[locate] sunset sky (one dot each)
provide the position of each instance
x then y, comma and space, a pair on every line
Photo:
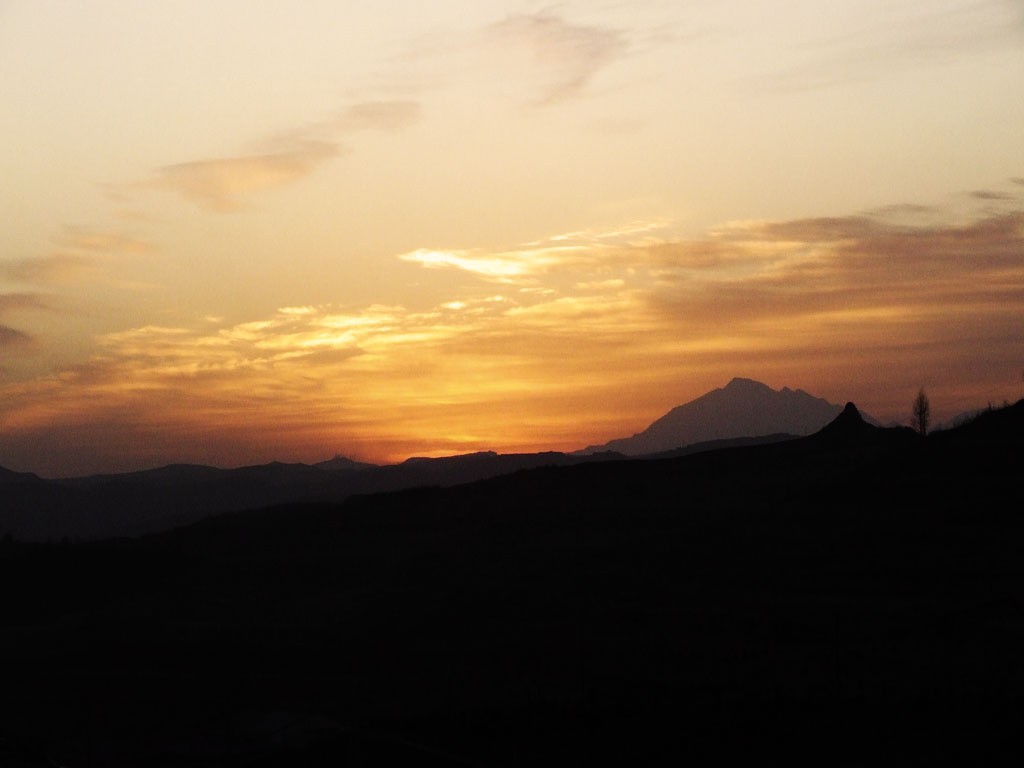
235, 232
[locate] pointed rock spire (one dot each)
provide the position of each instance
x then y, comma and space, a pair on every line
848, 425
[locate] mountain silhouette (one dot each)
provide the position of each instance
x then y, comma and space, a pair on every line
10, 476
148, 501
343, 464
743, 408
848, 426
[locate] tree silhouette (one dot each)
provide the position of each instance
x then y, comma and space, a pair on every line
922, 413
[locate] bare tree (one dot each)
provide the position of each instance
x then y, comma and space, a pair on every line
922, 413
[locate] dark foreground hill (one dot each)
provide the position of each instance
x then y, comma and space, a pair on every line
850, 598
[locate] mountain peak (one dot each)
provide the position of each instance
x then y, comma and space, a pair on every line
847, 425
742, 408
342, 464
8, 475
740, 383
850, 412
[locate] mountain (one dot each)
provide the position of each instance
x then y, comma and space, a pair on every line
343, 464
848, 426
137, 503
10, 476
742, 408
149, 501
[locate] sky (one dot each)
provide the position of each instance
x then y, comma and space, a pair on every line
236, 232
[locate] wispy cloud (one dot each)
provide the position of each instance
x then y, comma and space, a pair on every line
56, 267
585, 340
377, 116
12, 337
93, 241
561, 253
77, 254
224, 184
814, 284
505, 267
15, 301
988, 194
930, 34
565, 55
903, 210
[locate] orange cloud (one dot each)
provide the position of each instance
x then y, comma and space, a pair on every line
588, 341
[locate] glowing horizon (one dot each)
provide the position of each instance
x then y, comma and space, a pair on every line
494, 226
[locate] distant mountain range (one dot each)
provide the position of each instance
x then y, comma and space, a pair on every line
742, 413
138, 503
742, 409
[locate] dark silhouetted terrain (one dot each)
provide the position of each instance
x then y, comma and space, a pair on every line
855, 597
137, 503
741, 409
